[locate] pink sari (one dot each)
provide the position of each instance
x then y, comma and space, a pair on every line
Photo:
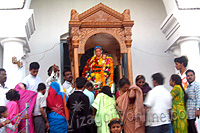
26, 96
13, 110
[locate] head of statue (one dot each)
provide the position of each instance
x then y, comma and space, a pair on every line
97, 51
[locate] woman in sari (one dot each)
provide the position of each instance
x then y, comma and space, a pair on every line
133, 113
105, 109
178, 105
26, 96
58, 115
124, 84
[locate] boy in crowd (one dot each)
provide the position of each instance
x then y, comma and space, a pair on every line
80, 119
88, 92
181, 64
32, 80
39, 116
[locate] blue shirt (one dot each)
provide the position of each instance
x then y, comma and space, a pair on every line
193, 101
90, 95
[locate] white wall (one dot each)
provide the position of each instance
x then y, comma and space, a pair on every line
1, 57
52, 17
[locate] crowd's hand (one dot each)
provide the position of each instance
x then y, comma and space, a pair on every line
197, 113
47, 126
25, 117
55, 68
7, 121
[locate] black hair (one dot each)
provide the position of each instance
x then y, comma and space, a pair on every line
80, 82
178, 81
24, 85
189, 70
158, 77
114, 121
41, 86
123, 81
66, 70
34, 65
12, 95
49, 70
89, 84
106, 90
182, 59
1, 69
139, 77
2, 110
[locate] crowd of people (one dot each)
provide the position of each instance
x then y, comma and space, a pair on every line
76, 107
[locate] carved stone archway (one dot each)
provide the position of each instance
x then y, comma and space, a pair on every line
99, 19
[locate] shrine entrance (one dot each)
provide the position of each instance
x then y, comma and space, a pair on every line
103, 26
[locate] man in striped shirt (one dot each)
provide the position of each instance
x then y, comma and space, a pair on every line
193, 102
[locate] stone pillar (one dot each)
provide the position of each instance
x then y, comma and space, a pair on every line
13, 47
189, 46
130, 73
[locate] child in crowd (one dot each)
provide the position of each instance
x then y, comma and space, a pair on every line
32, 80
140, 82
39, 116
13, 109
89, 92
5, 123
115, 125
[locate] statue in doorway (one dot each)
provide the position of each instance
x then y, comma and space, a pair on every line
99, 69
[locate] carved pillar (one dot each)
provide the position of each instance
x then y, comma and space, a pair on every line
128, 42
75, 43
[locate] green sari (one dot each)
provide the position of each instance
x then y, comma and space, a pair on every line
179, 112
105, 107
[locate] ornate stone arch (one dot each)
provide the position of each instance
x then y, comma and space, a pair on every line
96, 20
116, 33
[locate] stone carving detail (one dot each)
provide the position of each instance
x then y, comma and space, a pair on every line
101, 16
74, 15
126, 14
117, 33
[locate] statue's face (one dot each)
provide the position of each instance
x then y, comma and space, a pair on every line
98, 52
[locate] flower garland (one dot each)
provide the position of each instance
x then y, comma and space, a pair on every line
98, 72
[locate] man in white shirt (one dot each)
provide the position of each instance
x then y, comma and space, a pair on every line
67, 85
32, 80
3, 88
53, 73
158, 104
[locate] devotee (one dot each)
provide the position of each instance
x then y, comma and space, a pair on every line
115, 125
178, 105
26, 96
104, 105
58, 114
131, 104
89, 92
67, 85
193, 102
80, 119
5, 123
140, 82
97, 72
158, 105
39, 113
53, 73
181, 64
3, 88
32, 80
124, 85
